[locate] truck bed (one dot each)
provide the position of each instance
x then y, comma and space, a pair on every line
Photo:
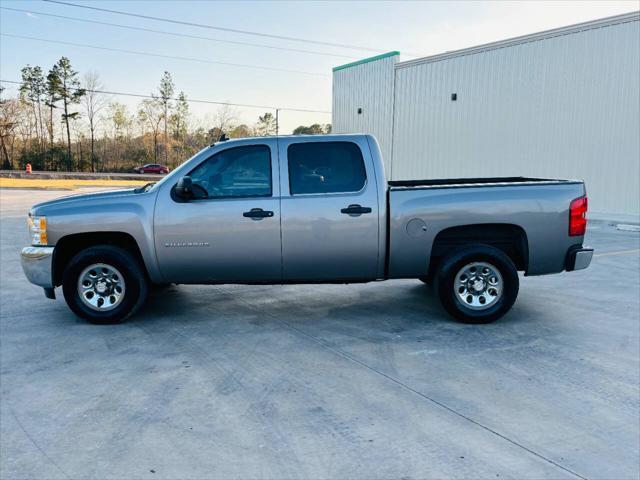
474, 182
420, 210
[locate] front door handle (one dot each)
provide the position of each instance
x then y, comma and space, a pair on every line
257, 213
355, 210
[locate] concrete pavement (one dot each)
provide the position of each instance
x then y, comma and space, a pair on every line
331, 381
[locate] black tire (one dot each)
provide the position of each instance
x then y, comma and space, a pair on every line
133, 273
454, 262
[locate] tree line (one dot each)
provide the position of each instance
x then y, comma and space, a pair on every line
64, 121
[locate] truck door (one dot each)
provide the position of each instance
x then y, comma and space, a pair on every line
330, 210
233, 233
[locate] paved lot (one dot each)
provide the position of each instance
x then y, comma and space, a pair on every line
365, 381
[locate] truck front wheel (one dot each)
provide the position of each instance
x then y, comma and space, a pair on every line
104, 284
477, 284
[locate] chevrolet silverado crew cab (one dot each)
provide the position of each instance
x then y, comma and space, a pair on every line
305, 209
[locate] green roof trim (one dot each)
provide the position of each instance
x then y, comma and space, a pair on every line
366, 60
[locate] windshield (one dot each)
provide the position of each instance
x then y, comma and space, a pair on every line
176, 173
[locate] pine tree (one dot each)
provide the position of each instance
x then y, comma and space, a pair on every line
179, 117
266, 124
165, 91
67, 86
52, 98
31, 90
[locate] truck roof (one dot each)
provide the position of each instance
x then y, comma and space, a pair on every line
233, 140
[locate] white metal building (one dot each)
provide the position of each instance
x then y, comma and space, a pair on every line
561, 103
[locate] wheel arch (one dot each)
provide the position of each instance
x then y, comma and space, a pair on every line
70, 245
509, 238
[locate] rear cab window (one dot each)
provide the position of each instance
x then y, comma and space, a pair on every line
325, 167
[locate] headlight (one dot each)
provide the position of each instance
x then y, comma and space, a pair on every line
38, 230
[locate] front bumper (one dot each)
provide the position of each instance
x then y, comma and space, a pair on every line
37, 263
579, 258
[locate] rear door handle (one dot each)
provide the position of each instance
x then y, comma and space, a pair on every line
258, 213
355, 210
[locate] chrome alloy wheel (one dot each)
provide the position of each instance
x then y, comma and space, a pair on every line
101, 287
478, 285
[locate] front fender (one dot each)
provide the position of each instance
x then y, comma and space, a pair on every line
130, 214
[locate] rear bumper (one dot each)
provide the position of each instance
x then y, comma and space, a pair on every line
37, 264
579, 258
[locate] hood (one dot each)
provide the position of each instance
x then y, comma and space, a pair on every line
41, 208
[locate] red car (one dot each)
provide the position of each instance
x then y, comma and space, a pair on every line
151, 168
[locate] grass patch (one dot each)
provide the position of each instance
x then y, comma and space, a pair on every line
65, 184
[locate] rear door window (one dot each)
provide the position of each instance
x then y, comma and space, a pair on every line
325, 167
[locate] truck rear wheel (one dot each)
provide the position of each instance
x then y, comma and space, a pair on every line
104, 284
477, 284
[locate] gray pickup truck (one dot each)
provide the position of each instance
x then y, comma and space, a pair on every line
305, 209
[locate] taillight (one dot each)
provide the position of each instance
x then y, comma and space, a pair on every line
578, 217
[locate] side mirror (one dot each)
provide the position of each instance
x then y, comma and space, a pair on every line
184, 188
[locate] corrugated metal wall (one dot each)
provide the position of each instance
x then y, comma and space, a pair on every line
566, 107
369, 86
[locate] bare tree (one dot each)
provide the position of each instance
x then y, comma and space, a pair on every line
226, 117
25, 127
93, 101
119, 117
151, 113
79, 138
223, 121
10, 112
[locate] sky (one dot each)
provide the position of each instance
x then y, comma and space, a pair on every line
413, 28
